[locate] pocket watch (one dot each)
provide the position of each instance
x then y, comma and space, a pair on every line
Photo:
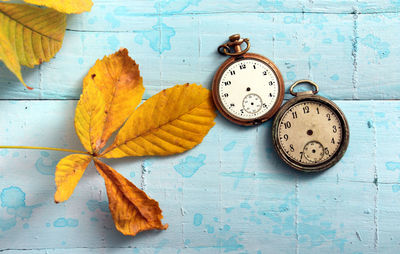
248, 88
310, 133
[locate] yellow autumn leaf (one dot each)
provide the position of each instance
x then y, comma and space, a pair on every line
89, 117
69, 171
35, 33
65, 6
118, 78
132, 210
10, 58
170, 122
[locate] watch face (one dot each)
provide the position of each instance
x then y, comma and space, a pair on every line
248, 88
310, 133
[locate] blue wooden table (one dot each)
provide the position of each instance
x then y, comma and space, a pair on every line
231, 194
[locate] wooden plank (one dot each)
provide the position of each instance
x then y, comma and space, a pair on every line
229, 194
188, 7
377, 54
386, 123
335, 50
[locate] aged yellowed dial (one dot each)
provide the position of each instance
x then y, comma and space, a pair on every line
310, 132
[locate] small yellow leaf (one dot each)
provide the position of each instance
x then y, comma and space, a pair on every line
118, 78
68, 173
170, 122
35, 33
10, 58
89, 117
65, 6
132, 210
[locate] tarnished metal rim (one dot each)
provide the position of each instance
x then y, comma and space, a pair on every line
339, 153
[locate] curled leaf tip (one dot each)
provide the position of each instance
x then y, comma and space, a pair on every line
28, 87
122, 49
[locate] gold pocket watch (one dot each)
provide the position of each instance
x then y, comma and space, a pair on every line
248, 88
310, 133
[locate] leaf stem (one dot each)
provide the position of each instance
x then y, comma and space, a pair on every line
43, 148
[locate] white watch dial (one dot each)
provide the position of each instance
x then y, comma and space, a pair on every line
248, 89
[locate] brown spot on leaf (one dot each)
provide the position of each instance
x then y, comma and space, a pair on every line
93, 76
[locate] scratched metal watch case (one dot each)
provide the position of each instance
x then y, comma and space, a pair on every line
310, 133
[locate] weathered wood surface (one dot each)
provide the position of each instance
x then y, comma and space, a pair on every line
349, 47
231, 193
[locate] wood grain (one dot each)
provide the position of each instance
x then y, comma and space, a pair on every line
334, 43
230, 193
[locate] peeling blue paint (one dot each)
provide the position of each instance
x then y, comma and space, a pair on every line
290, 75
93, 205
396, 188
245, 205
246, 156
115, 23
229, 209
159, 37
3, 152
375, 43
174, 6
392, 166
226, 228
334, 77
190, 165
92, 20
45, 165
210, 229
270, 5
13, 199
229, 245
113, 42
160, 245
339, 36
197, 219
230, 146
66, 222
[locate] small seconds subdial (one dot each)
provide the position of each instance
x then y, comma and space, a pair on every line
310, 133
252, 103
248, 88
313, 151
